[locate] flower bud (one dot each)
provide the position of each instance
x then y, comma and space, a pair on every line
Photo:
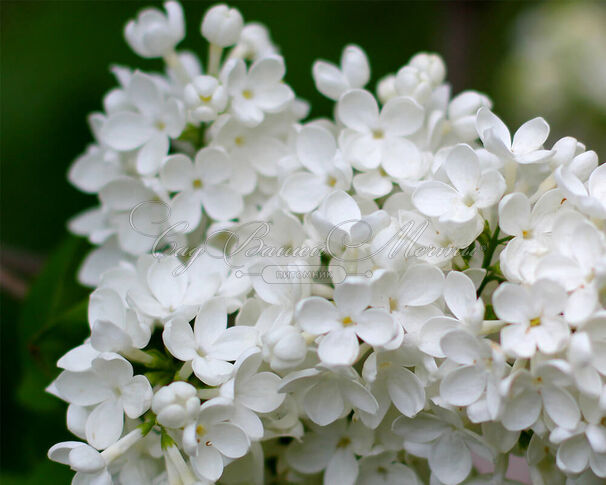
175, 404
155, 34
222, 25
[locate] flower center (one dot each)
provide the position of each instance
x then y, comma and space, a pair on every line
535, 322
468, 201
239, 141
377, 134
247, 94
343, 442
205, 99
197, 184
393, 304
347, 321
331, 181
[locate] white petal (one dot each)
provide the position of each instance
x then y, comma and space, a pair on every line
460, 294
352, 298
401, 116
406, 391
329, 80
260, 393
530, 136
267, 70
185, 211
212, 165
177, 174
342, 468
573, 455
230, 440
317, 315
450, 459
108, 337
424, 428
233, 342
323, 403
491, 187
208, 463
274, 98
86, 459
516, 341
136, 396
78, 359
487, 120
316, 147
126, 131
522, 411
514, 214
81, 388
150, 156
339, 347
375, 327
308, 456
402, 159
355, 66
178, 337
212, 371
166, 284
463, 386
303, 191
372, 184
461, 347
421, 285
561, 407
463, 169
104, 425
434, 198
357, 109
222, 202
512, 303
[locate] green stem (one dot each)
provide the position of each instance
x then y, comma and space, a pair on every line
493, 243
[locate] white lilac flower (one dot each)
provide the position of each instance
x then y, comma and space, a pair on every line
326, 396
354, 72
204, 183
375, 139
155, 34
176, 405
533, 317
342, 323
257, 91
152, 114
89, 465
111, 387
450, 445
375, 297
210, 345
332, 448
222, 25
212, 437
205, 98
527, 144
471, 190
317, 150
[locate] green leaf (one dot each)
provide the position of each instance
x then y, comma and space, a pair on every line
44, 471
53, 320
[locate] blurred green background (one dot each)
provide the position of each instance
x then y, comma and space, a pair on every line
55, 59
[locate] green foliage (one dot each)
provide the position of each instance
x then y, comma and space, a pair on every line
53, 320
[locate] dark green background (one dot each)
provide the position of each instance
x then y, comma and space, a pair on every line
55, 69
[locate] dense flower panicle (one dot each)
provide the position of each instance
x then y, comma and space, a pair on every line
371, 299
